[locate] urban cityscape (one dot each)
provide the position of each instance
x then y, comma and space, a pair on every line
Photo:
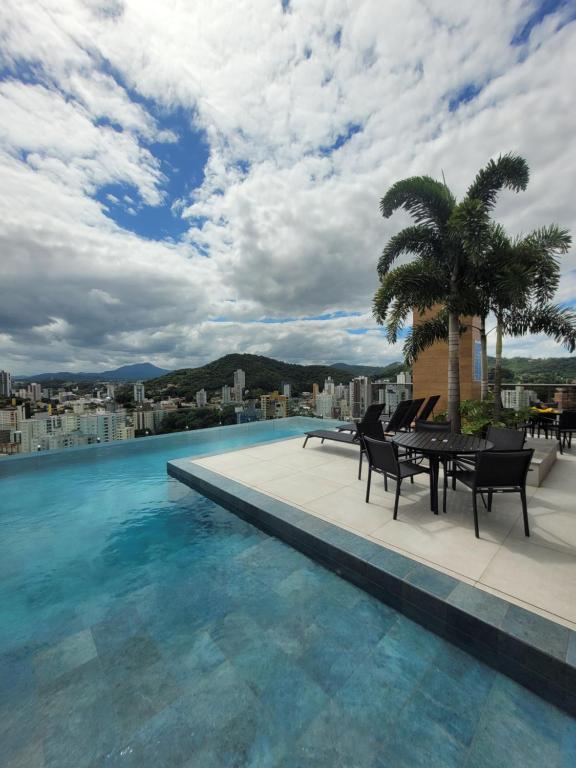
41, 418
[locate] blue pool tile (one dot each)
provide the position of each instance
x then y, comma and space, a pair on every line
290, 702
416, 740
69, 653
539, 632
517, 729
332, 740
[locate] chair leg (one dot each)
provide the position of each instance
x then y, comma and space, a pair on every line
453, 475
360, 465
368, 484
385, 481
560, 444
322, 443
475, 510
398, 484
490, 494
412, 479
525, 512
305, 441
445, 488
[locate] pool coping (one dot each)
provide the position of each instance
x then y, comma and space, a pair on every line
529, 648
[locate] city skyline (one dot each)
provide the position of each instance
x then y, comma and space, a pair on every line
223, 194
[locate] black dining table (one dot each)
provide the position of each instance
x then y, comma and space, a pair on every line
438, 446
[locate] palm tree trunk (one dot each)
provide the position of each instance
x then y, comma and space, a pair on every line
498, 371
484, 353
454, 371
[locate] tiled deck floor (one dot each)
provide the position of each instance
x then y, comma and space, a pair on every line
538, 573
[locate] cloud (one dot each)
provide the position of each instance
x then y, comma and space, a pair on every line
308, 114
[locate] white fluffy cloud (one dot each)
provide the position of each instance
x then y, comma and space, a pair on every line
308, 116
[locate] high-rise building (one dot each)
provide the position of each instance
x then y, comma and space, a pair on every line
360, 396
341, 392
201, 398
329, 386
5, 384
239, 385
404, 377
111, 391
226, 395
324, 405
35, 391
274, 406
518, 398
139, 392
315, 391
287, 390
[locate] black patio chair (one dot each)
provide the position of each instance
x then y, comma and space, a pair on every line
371, 428
566, 426
495, 472
428, 408
383, 459
432, 426
502, 438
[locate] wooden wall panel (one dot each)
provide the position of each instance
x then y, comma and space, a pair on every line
430, 371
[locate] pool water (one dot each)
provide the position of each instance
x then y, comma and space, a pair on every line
143, 625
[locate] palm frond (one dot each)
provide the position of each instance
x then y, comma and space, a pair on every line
428, 201
470, 224
419, 240
508, 171
557, 322
424, 335
420, 283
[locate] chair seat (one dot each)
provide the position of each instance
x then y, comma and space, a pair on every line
408, 468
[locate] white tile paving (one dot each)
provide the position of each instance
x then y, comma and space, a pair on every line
538, 573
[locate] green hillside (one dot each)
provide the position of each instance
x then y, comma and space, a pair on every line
547, 370
263, 374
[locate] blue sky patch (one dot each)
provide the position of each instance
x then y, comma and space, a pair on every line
543, 8
463, 96
343, 138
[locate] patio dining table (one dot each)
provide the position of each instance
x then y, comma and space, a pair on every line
437, 447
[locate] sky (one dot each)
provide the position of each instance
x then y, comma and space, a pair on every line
181, 180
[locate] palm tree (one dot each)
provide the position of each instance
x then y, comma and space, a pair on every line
444, 240
516, 280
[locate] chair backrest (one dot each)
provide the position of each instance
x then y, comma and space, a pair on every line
373, 429
382, 455
502, 469
505, 439
567, 420
373, 413
411, 412
429, 407
432, 426
395, 421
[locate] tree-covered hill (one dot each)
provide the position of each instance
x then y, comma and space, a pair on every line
263, 374
547, 370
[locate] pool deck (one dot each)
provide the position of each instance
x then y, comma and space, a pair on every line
516, 596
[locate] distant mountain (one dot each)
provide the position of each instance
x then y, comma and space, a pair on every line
135, 372
374, 371
262, 373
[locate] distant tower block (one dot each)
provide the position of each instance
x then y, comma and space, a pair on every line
430, 371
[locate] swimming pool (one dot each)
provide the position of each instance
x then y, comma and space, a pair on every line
143, 625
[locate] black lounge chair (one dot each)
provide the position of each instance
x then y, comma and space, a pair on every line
373, 414
396, 421
428, 408
496, 472
411, 414
363, 428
